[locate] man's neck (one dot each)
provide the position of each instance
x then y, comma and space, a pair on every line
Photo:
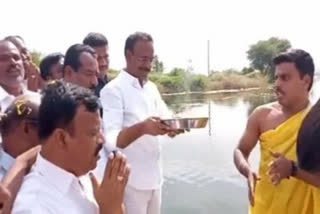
142, 81
9, 145
103, 76
50, 154
292, 110
15, 91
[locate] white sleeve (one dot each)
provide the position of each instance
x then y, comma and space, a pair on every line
112, 104
162, 107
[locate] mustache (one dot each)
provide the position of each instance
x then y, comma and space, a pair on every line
103, 68
93, 87
145, 69
99, 147
278, 90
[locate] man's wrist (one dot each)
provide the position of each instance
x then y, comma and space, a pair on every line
294, 169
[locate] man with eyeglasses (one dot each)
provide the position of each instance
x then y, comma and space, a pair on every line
132, 108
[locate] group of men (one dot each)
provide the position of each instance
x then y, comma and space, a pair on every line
54, 125
75, 142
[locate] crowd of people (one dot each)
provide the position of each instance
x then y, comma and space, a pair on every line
72, 141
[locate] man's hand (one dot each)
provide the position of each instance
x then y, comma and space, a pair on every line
109, 194
4, 195
176, 132
33, 76
252, 181
154, 126
14, 177
29, 157
280, 168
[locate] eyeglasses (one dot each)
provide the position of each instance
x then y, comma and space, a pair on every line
145, 59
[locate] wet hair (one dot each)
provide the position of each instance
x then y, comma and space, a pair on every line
23, 108
72, 57
95, 40
301, 59
59, 103
133, 38
308, 141
47, 62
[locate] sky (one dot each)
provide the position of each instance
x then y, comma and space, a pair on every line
180, 29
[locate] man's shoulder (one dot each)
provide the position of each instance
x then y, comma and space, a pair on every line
34, 195
113, 85
267, 108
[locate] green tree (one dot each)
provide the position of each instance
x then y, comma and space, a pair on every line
177, 72
246, 70
36, 57
262, 53
112, 73
157, 65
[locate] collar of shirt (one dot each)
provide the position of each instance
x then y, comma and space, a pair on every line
133, 80
6, 160
57, 176
5, 99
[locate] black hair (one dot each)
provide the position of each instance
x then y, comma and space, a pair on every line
59, 104
302, 60
47, 62
24, 107
133, 38
13, 38
72, 57
95, 40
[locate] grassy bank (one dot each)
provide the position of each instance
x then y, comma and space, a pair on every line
188, 82
178, 80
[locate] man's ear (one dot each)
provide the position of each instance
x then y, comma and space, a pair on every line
307, 80
67, 72
61, 137
128, 54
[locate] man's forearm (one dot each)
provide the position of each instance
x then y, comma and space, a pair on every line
12, 181
310, 178
111, 210
241, 163
129, 135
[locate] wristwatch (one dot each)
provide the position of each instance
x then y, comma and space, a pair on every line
294, 168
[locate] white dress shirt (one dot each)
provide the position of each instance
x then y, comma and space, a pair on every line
6, 162
5, 99
126, 103
48, 189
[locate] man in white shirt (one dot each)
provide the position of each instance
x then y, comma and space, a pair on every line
19, 129
33, 80
11, 74
132, 107
71, 138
